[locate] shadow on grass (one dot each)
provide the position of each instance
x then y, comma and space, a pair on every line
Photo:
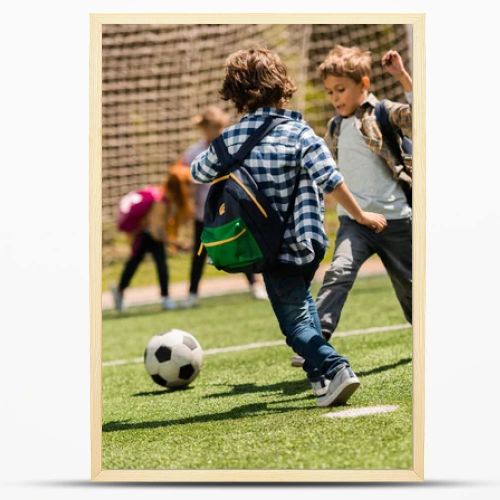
295, 386
286, 388
383, 368
161, 392
248, 410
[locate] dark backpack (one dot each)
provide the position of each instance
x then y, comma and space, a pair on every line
242, 231
399, 145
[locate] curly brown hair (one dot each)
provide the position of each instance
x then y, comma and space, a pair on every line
255, 78
351, 62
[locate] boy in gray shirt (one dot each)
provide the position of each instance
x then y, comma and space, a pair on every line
371, 172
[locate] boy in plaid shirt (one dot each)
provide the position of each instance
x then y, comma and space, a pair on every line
256, 82
373, 174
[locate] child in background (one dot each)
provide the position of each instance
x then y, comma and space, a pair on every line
256, 81
210, 123
371, 171
147, 234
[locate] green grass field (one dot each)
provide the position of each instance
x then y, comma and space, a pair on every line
250, 409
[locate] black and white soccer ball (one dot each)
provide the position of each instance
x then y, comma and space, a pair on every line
173, 359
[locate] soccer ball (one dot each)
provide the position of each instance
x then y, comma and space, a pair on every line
173, 359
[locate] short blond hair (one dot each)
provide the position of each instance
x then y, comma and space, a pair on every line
351, 62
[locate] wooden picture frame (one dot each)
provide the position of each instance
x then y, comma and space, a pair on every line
416, 473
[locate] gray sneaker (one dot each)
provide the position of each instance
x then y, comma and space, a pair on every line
191, 301
117, 298
258, 292
320, 387
168, 304
297, 361
341, 388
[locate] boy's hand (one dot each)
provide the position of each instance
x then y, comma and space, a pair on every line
393, 64
343, 195
374, 221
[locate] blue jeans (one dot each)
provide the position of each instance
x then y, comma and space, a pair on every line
289, 292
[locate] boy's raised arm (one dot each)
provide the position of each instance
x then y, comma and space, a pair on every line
393, 64
399, 114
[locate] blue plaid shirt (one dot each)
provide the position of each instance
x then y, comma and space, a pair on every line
273, 164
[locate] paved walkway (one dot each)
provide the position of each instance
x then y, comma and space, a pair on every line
210, 287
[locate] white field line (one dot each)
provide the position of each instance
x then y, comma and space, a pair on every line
273, 343
361, 412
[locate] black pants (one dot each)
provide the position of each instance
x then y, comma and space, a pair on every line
198, 261
143, 244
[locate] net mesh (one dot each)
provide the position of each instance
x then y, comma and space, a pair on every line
156, 77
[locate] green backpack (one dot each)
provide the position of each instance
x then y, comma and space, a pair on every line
242, 231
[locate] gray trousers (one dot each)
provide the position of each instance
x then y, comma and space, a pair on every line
354, 245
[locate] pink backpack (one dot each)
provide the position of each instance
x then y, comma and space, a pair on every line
135, 205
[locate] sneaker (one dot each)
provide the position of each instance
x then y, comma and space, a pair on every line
168, 304
259, 292
341, 387
297, 361
117, 298
320, 387
191, 301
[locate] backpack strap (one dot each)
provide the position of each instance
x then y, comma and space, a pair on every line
232, 162
335, 125
389, 133
269, 124
223, 155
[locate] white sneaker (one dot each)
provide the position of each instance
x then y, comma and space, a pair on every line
297, 361
117, 298
341, 387
320, 387
259, 292
191, 301
168, 304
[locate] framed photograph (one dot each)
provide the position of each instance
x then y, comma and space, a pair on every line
192, 380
